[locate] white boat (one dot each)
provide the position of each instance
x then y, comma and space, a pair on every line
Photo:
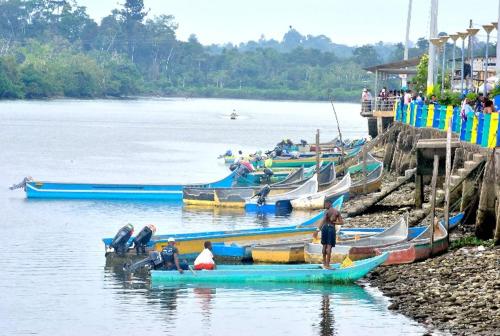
317, 200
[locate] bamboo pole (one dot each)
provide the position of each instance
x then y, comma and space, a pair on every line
340, 135
317, 151
447, 182
433, 199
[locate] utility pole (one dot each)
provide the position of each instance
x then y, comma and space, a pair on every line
498, 44
431, 68
407, 40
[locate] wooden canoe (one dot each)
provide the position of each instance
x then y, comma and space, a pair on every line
273, 273
373, 179
69, 190
360, 248
236, 196
317, 200
284, 253
420, 248
311, 161
281, 202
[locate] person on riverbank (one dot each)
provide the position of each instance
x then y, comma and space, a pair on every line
328, 232
205, 260
170, 257
489, 107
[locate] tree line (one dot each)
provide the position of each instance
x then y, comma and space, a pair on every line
52, 48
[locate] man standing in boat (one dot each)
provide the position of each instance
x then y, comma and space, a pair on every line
170, 257
327, 229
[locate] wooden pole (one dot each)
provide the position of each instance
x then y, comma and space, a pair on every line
365, 174
317, 151
433, 198
447, 181
340, 134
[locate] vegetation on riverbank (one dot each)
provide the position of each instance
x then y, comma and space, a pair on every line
53, 48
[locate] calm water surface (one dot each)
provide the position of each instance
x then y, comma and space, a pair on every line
53, 277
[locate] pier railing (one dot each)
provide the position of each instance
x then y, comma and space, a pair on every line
478, 128
377, 104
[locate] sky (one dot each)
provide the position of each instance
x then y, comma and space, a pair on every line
354, 22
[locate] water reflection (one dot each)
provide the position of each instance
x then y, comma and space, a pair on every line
205, 301
327, 319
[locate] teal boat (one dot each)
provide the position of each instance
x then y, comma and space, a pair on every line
273, 273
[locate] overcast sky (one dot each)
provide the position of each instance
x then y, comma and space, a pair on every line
353, 22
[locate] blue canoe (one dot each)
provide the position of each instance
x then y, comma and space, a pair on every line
163, 192
190, 244
273, 273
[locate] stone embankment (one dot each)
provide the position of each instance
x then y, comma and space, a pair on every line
458, 292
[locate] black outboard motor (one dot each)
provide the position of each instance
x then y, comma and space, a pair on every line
154, 261
278, 150
268, 173
233, 166
242, 171
143, 237
303, 142
120, 241
262, 194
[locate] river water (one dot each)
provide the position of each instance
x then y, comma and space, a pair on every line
54, 280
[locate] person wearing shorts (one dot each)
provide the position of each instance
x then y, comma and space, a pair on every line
327, 229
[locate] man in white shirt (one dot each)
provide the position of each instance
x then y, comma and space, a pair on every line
205, 260
407, 97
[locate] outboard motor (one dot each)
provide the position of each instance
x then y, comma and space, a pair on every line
278, 150
262, 194
154, 261
233, 166
120, 241
143, 237
303, 142
268, 173
242, 171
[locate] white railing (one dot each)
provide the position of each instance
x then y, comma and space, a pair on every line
377, 104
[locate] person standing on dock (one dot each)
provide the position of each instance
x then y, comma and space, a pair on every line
328, 233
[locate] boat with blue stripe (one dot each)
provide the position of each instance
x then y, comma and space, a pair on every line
154, 192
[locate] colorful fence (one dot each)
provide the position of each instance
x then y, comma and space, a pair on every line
481, 129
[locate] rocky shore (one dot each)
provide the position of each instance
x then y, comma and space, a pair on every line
458, 292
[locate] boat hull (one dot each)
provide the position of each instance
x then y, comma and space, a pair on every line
153, 192
281, 254
272, 273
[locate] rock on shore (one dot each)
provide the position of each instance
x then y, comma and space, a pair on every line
458, 292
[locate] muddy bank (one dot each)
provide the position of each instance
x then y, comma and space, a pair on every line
458, 292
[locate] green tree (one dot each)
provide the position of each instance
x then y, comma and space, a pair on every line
10, 87
366, 56
420, 79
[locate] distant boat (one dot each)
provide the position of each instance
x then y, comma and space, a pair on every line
233, 115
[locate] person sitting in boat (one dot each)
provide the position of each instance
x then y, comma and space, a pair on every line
328, 232
170, 257
205, 260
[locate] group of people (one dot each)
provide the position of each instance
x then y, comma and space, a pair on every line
171, 262
205, 260
385, 101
